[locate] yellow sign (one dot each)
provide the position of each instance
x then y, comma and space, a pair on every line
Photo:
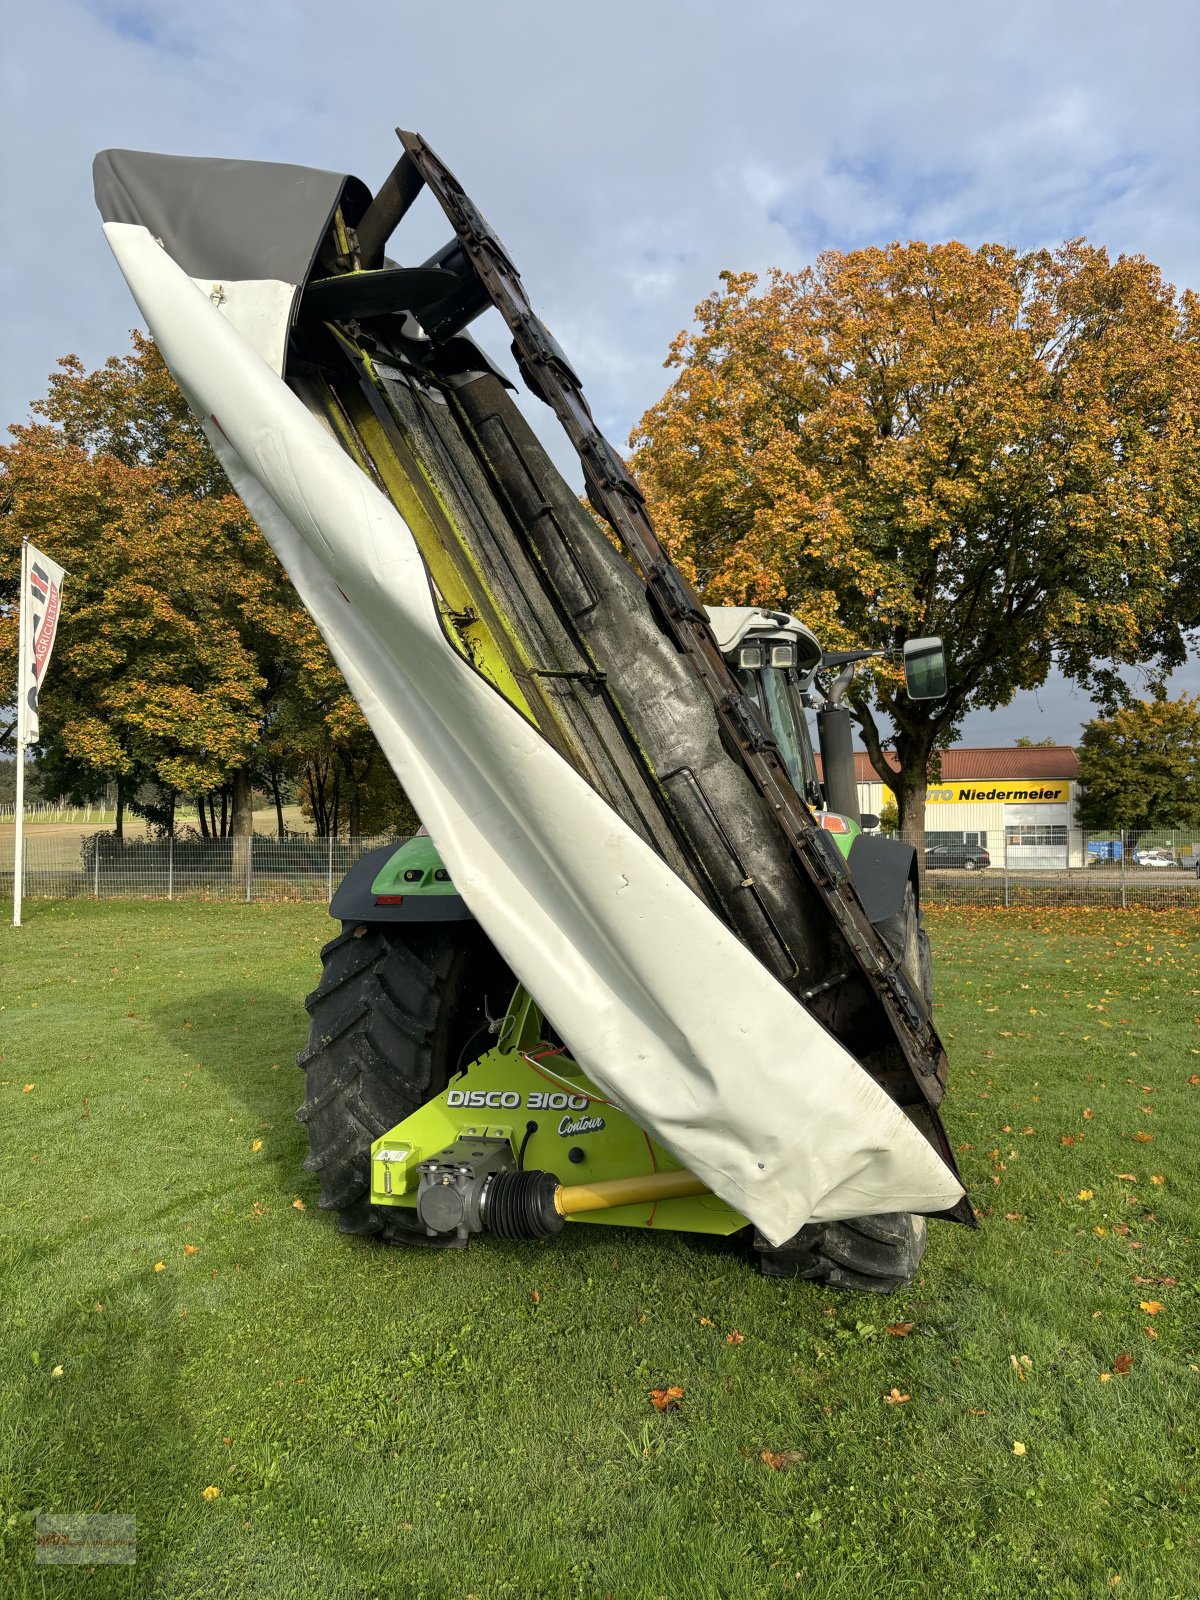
981, 791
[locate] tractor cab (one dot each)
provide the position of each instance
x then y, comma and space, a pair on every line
774, 659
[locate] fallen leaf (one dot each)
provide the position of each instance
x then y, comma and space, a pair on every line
1129, 1177
1194, 1079
895, 1398
1099, 1232
1013, 1216
160, 1266
899, 1330
735, 1337
536, 1296
1086, 1194
1088, 1114
212, 1492
191, 1249
1150, 1333
57, 1372
1105, 1377
1151, 1307
1143, 1138
1067, 1138
706, 1322
781, 1460
1123, 1363
1018, 1448
298, 1205
666, 1399
979, 1411
255, 1146
1157, 1177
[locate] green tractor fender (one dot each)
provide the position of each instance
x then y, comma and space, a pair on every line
399, 883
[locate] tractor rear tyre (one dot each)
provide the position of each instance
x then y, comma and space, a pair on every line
877, 1254
398, 1009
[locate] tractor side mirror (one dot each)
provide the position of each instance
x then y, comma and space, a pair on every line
925, 669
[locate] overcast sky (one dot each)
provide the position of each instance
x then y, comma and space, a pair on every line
626, 152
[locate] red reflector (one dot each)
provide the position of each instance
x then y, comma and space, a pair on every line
389, 899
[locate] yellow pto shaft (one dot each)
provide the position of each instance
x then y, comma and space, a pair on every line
572, 1198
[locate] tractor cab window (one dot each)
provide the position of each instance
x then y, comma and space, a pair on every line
776, 694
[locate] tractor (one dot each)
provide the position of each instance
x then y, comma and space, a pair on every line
430, 1070
646, 968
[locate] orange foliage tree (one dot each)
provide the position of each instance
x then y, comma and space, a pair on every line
185, 663
997, 447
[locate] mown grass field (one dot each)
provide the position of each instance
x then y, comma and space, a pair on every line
178, 1316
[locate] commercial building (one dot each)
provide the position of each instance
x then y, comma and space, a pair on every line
1017, 804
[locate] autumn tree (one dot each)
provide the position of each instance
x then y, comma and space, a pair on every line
1140, 767
185, 664
992, 446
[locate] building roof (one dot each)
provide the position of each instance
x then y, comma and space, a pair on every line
961, 763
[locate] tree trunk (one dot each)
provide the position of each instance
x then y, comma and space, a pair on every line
910, 803
203, 818
278, 805
241, 828
241, 822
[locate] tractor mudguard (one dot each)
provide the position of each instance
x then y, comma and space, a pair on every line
399, 884
880, 869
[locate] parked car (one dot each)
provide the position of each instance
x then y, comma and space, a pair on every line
1154, 858
968, 856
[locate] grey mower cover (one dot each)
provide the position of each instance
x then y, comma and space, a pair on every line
662, 1005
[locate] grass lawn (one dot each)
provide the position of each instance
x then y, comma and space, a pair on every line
178, 1316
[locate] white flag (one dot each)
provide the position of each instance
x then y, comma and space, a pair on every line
41, 599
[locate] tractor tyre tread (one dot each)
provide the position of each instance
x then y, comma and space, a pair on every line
387, 1018
874, 1255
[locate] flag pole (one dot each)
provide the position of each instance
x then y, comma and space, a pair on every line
22, 698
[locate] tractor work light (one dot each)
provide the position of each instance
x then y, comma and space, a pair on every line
783, 656
750, 657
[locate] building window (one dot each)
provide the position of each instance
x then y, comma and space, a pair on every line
1034, 834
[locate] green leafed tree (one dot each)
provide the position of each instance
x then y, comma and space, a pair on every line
1140, 767
994, 446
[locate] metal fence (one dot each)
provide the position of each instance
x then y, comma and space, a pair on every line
97, 866
93, 812
1161, 869
1060, 866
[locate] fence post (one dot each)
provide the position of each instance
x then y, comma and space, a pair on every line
329, 875
249, 867
170, 866
96, 870
1124, 905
